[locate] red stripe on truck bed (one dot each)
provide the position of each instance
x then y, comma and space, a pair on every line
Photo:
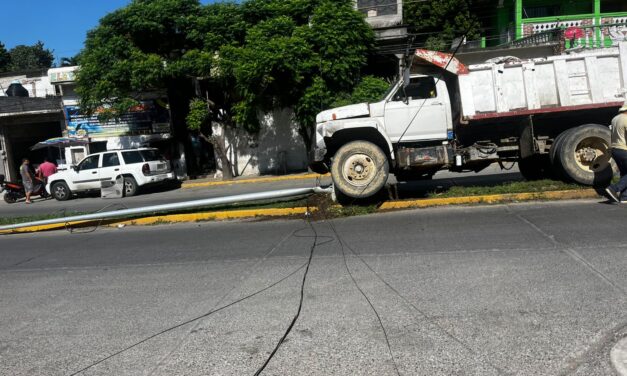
547, 110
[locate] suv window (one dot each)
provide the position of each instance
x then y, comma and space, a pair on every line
150, 155
89, 163
418, 88
131, 157
110, 160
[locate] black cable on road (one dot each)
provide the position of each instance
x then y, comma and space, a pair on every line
410, 304
385, 333
189, 321
300, 303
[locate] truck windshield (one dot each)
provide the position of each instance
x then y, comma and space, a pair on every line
389, 90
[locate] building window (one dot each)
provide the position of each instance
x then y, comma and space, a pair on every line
374, 8
542, 11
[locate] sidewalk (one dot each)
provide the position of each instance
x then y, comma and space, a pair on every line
210, 182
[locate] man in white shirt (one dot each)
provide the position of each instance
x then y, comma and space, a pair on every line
618, 192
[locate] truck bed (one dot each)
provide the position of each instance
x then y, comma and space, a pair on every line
579, 81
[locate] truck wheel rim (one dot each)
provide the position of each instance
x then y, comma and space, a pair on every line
359, 170
592, 154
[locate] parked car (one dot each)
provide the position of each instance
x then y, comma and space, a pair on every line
138, 167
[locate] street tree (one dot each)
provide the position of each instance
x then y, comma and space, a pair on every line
30, 57
70, 61
147, 46
250, 57
438, 22
300, 55
5, 58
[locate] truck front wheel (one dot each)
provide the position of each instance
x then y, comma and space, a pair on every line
359, 170
584, 155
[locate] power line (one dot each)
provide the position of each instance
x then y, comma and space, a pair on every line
300, 302
361, 291
198, 317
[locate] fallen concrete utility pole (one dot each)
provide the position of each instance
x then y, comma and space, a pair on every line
249, 197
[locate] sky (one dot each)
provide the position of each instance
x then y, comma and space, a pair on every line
60, 24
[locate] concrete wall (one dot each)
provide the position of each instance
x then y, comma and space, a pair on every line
277, 149
36, 86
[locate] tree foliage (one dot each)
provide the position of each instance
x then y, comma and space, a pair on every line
5, 58
24, 57
199, 116
299, 54
369, 89
250, 57
439, 22
145, 46
70, 61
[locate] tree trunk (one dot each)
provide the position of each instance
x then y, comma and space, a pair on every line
307, 134
179, 92
219, 146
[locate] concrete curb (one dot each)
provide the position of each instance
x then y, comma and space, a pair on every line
252, 181
173, 218
282, 212
490, 199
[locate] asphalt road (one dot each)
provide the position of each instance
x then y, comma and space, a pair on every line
525, 289
156, 195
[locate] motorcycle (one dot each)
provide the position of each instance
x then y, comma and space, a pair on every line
15, 191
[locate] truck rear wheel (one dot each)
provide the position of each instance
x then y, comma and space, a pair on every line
584, 155
359, 169
556, 164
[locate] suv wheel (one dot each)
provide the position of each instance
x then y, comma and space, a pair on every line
60, 191
130, 186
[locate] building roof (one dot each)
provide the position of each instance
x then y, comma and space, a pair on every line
19, 106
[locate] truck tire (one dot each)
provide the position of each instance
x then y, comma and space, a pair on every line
359, 170
556, 164
130, 186
60, 191
584, 155
535, 167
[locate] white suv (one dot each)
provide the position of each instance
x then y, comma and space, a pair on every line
138, 167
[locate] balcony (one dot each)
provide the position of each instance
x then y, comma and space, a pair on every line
577, 30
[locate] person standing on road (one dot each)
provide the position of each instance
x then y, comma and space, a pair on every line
27, 179
46, 169
618, 192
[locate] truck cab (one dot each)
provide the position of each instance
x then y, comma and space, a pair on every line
363, 142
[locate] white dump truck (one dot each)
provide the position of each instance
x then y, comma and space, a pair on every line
551, 115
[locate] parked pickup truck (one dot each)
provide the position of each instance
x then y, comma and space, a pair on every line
138, 167
550, 115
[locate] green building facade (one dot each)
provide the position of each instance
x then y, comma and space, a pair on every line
590, 22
